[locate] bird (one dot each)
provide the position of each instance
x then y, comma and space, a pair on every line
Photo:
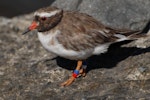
76, 36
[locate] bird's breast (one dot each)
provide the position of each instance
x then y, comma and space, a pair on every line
50, 43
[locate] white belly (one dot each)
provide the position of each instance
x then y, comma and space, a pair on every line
58, 49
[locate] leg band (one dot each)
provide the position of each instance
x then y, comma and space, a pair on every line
75, 73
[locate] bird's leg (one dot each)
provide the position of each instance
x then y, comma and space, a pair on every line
74, 75
83, 69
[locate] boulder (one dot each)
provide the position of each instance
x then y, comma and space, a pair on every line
29, 72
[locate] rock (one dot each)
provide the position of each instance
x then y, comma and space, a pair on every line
115, 13
17, 7
29, 72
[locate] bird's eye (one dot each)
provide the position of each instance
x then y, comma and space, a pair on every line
43, 18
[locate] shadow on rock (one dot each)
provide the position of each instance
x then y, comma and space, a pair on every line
110, 59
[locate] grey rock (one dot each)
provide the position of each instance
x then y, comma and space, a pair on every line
29, 72
68, 4
119, 14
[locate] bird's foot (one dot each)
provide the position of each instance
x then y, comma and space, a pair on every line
68, 82
77, 72
73, 77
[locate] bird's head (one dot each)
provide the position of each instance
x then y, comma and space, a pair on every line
45, 19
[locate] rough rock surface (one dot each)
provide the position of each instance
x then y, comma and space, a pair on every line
120, 14
28, 72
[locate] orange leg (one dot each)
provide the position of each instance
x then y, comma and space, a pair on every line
71, 79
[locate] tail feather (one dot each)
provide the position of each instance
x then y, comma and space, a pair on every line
143, 42
132, 35
143, 33
121, 35
146, 29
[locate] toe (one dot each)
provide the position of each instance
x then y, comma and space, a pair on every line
68, 82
